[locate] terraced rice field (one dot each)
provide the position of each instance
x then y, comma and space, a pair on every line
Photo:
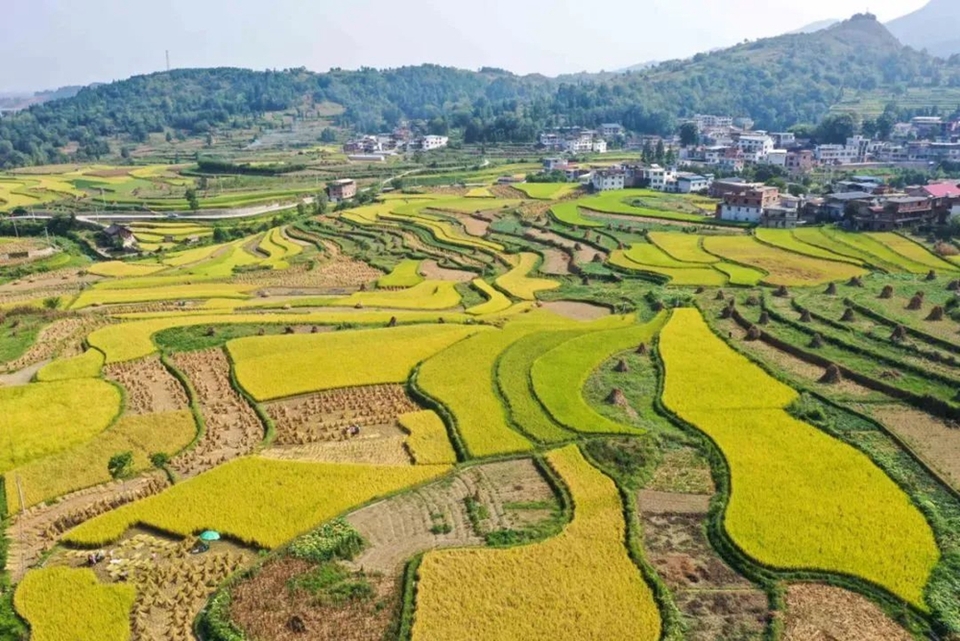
579, 583
402, 373
822, 485
782, 267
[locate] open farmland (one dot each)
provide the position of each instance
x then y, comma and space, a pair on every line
581, 580
824, 486
448, 414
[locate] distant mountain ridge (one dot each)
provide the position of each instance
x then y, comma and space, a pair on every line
814, 27
778, 82
934, 28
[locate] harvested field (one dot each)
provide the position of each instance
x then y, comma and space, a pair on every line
327, 416
264, 607
381, 445
403, 526
575, 310
63, 337
232, 427
826, 613
432, 271
682, 471
584, 255
475, 226
172, 584
36, 530
150, 387
555, 263
795, 366
936, 441
716, 602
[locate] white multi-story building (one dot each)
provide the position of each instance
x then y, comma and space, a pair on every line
659, 178
755, 147
611, 130
704, 121
692, 183
836, 154
775, 157
608, 179
434, 142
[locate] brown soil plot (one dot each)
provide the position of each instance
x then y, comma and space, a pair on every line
826, 613
232, 427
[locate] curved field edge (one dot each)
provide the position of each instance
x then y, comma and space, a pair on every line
257, 501
580, 582
783, 528
558, 377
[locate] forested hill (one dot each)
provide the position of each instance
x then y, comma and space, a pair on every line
777, 81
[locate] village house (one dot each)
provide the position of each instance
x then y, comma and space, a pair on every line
688, 183
799, 162
608, 179
429, 143
121, 236
894, 213
749, 205
340, 190
721, 188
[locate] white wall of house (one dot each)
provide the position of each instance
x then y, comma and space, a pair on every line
740, 214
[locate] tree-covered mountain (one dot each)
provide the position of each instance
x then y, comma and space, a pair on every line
935, 27
778, 82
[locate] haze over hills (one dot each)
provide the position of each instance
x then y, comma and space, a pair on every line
935, 27
777, 81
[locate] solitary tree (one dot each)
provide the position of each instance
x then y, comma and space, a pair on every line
192, 200
120, 465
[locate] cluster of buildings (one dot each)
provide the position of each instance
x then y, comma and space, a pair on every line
628, 176
730, 144
377, 148
576, 140
863, 202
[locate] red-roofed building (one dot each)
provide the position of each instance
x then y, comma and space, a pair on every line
939, 190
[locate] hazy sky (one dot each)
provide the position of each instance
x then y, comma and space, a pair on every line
50, 43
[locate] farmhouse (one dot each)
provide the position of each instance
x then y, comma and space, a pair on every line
340, 190
608, 179
893, 213
749, 205
429, 143
121, 236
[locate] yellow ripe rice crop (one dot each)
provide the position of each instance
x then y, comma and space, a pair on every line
258, 501
874, 251
87, 365
272, 367
741, 275
133, 339
65, 603
705, 275
580, 585
97, 296
783, 267
405, 274
800, 499
222, 266
647, 254
817, 237
462, 379
118, 269
518, 282
479, 192
190, 256
428, 439
430, 294
785, 239
682, 247
279, 249
496, 301
45, 418
560, 375
547, 191
913, 251
86, 465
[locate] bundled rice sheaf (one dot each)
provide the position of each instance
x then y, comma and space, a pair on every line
832, 375
887, 292
916, 303
848, 316
831, 289
817, 341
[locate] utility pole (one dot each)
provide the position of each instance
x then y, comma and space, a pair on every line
23, 508
168, 60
